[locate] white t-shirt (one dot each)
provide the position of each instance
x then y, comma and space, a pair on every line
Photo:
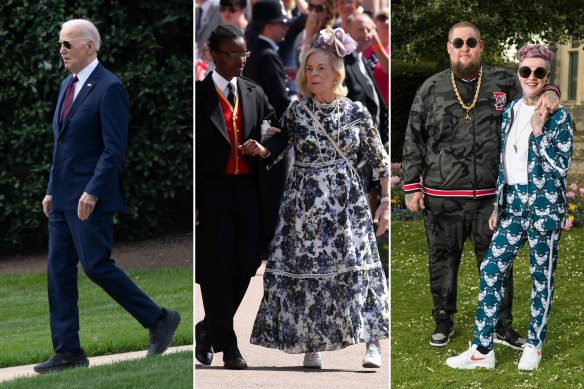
517, 144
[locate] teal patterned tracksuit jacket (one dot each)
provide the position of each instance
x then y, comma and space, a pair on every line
533, 213
548, 162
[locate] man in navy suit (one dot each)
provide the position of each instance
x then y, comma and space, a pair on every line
90, 129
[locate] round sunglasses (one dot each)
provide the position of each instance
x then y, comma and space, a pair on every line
540, 73
459, 42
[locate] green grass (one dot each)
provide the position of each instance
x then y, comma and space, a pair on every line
169, 371
414, 363
106, 328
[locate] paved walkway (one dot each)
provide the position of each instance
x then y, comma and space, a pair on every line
10, 373
269, 368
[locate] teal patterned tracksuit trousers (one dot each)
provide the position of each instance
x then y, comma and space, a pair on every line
513, 229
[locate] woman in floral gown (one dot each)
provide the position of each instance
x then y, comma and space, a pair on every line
324, 285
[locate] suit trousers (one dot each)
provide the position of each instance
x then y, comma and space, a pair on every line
228, 250
449, 223
90, 242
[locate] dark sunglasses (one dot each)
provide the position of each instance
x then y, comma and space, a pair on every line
459, 42
230, 9
67, 44
525, 72
234, 56
318, 8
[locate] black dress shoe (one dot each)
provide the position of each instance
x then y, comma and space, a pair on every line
62, 361
203, 346
233, 360
162, 332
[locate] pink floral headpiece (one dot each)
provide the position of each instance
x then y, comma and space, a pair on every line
337, 41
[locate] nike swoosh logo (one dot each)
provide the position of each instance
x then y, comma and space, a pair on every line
473, 358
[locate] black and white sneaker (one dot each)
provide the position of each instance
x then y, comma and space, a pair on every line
510, 338
443, 331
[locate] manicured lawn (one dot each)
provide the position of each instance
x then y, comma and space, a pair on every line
106, 328
168, 371
414, 363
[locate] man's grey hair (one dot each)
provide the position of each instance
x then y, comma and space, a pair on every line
88, 30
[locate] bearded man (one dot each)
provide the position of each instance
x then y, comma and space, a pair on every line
450, 162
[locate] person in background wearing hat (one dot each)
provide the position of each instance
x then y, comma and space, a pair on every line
265, 66
229, 110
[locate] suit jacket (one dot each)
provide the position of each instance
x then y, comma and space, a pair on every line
265, 67
212, 145
210, 20
359, 90
90, 144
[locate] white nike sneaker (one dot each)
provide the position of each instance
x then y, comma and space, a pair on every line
373, 355
312, 360
472, 359
530, 358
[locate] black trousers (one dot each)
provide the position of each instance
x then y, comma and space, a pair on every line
227, 250
449, 223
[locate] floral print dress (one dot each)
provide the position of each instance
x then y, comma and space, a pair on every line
324, 286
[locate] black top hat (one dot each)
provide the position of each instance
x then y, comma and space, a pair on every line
268, 11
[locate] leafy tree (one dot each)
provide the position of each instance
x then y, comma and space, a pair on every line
420, 27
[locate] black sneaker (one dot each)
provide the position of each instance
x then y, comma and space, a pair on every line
162, 332
510, 338
62, 361
443, 331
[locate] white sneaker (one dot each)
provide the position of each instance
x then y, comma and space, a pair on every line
373, 355
312, 360
472, 359
530, 357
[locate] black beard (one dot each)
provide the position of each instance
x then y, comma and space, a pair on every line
466, 72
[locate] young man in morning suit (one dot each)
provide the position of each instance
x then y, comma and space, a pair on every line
90, 129
229, 111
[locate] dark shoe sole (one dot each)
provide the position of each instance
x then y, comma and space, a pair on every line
175, 320
80, 364
505, 343
236, 366
371, 365
444, 343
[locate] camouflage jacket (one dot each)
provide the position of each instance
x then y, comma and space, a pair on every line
452, 157
548, 160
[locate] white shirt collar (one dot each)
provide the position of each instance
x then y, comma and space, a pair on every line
84, 74
270, 41
221, 83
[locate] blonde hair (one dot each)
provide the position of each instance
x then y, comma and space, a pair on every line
338, 66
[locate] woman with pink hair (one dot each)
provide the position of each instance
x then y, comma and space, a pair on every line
530, 207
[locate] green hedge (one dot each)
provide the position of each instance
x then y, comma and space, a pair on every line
148, 45
406, 78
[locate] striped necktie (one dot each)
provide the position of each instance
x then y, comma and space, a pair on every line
68, 101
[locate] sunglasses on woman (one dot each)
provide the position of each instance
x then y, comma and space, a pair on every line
318, 8
540, 73
459, 42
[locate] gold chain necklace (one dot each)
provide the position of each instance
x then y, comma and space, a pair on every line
467, 117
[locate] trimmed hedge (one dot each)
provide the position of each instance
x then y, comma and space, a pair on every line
148, 45
406, 78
